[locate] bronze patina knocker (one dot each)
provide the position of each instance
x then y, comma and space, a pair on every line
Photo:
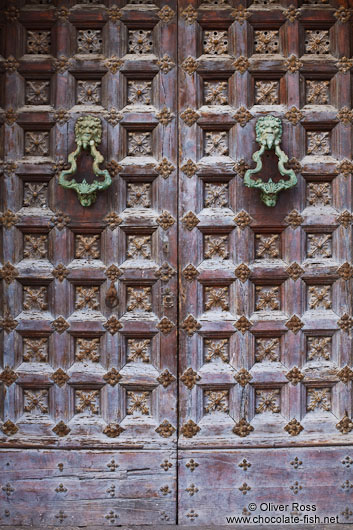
88, 134
268, 136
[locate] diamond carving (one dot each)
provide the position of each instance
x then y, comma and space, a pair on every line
293, 427
190, 272
165, 63
345, 271
294, 324
345, 425
190, 221
165, 326
189, 65
60, 377
345, 375
189, 116
243, 377
189, 14
241, 64
60, 325
8, 273
189, 429
294, 271
294, 375
242, 428
165, 220
189, 378
165, 429
243, 324
166, 14
8, 376
189, 168
9, 428
293, 64
112, 325
165, 168
345, 323
166, 378
190, 325
113, 64
294, 219
113, 430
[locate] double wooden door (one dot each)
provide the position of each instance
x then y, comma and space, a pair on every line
177, 276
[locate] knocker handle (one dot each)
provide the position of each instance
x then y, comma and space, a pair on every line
268, 136
88, 134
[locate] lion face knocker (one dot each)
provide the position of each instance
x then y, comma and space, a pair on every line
268, 136
88, 134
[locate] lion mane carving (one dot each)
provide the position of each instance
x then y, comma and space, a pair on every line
269, 131
88, 129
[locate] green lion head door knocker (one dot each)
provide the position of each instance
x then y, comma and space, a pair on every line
268, 136
88, 134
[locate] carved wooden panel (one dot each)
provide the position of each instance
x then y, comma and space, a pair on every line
265, 319
89, 294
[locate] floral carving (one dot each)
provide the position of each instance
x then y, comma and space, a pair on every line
243, 219
165, 429
60, 272
189, 116
216, 92
35, 350
241, 64
140, 41
87, 401
294, 324
189, 65
266, 41
60, 377
267, 298
317, 41
139, 144
189, 168
216, 401
216, 298
293, 427
319, 348
294, 375
319, 246
9, 428
113, 64
113, 430
345, 375
189, 378
267, 246
317, 92
35, 195
165, 326
216, 247
113, 220
190, 273
165, 272
242, 272
242, 116
38, 42
190, 325
318, 398
35, 298
61, 64
216, 349
112, 325
319, 297
87, 298
8, 273
242, 428
216, 195
164, 116
266, 92
87, 350
165, 168
114, 14
36, 143
243, 377
293, 64
267, 349
89, 41
294, 219
10, 64
215, 42
137, 402
87, 246
61, 429
294, 271
345, 425
189, 429
240, 14
112, 377
88, 92
8, 323
139, 92
35, 401
35, 246
267, 400
216, 143
190, 220
344, 65
166, 378
166, 14
165, 63
345, 271
139, 299
292, 13
294, 115
189, 14
8, 376
345, 219
319, 194
60, 325
243, 324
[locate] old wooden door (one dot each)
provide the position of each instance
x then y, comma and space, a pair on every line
89, 324
265, 321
